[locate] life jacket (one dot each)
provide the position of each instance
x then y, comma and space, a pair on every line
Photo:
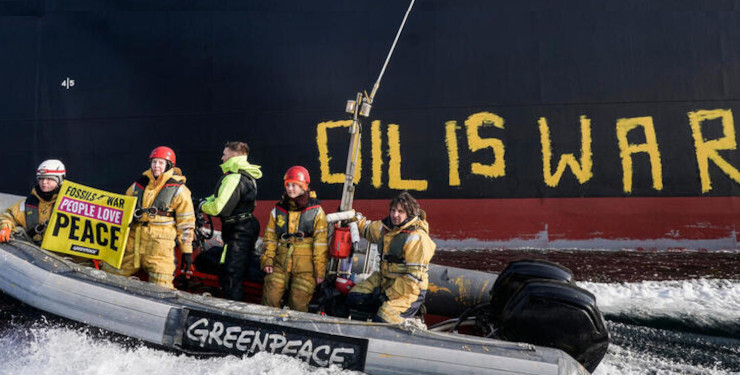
32, 215
246, 202
163, 201
395, 248
305, 223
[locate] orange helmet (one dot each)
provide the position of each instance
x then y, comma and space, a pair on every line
297, 175
164, 152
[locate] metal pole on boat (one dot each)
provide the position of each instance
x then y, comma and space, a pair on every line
390, 53
361, 106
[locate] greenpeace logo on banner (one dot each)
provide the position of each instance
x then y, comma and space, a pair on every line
86, 250
208, 332
90, 223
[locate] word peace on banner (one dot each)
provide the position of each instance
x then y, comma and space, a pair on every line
89, 223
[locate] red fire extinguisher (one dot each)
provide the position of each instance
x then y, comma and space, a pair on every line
341, 243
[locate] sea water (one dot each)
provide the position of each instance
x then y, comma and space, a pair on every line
656, 327
670, 327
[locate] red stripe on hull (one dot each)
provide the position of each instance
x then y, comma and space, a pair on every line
694, 223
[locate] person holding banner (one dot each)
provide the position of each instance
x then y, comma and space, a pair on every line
32, 213
295, 248
164, 217
398, 289
233, 202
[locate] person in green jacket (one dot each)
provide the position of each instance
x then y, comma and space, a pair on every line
233, 202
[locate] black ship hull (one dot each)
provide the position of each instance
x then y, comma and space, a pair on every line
564, 125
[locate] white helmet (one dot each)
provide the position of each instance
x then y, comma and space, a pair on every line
51, 168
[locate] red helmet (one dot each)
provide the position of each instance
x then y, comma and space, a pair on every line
164, 152
298, 175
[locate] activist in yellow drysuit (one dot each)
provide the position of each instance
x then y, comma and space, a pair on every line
398, 289
32, 213
164, 217
295, 251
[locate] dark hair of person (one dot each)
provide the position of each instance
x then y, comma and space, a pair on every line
239, 147
407, 202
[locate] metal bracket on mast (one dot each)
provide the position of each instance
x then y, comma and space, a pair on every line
363, 109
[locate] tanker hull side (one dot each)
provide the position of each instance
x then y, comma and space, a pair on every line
525, 125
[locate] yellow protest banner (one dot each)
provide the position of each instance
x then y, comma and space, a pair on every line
89, 223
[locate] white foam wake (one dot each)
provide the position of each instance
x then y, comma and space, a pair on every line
703, 301
62, 351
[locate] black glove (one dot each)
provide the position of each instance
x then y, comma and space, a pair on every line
379, 295
187, 261
199, 204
